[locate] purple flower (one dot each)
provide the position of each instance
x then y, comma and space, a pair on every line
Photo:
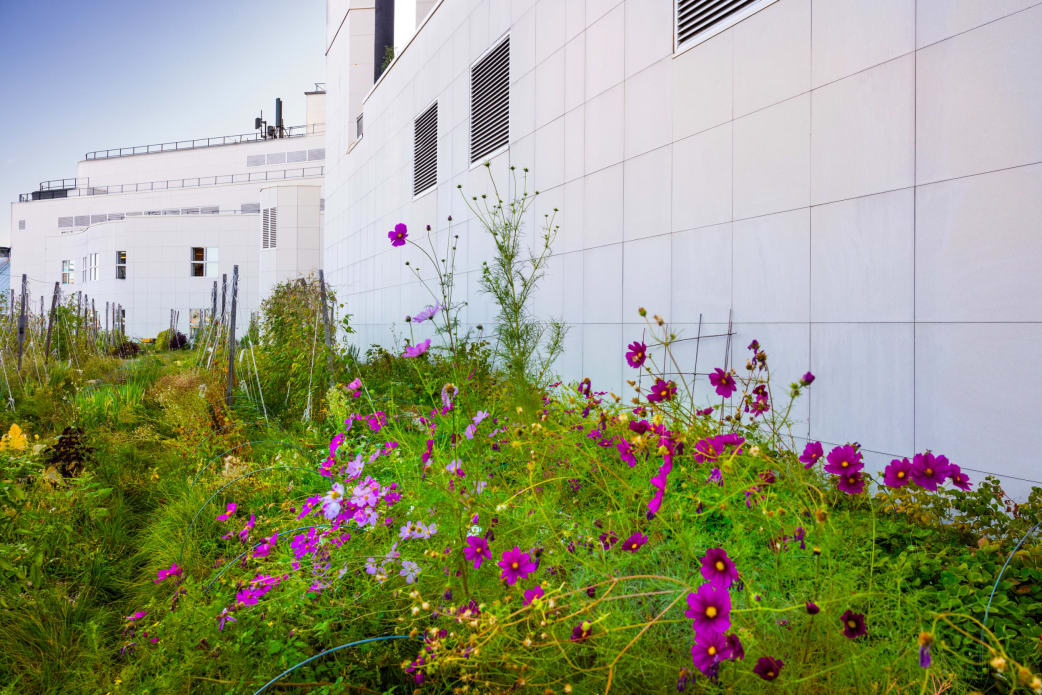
634, 542
428, 313
735, 650
710, 610
925, 640
516, 565
637, 355
398, 235
418, 349
724, 383
333, 501
807, 379
225, 617
244, 534
708, 651
897, 473
718, 569
608, 539
929, 471
265, 548
581, 632
851, 483
958, 478
662, 391
173, 571
477, 550
854, 625
136, 616
812, 608
229, 511
811, 453
844, 459
533, 593
768, 667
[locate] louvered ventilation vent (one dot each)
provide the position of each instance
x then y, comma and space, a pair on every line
269, 224
425, 151
695, 16
490, 102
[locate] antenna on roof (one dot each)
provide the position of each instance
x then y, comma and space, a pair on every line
281, 132
260, 124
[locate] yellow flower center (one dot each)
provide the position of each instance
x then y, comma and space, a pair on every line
770, 674
711, 651
334, 494
845, 464
513, 565
900, 475
720, 566
852, 624
929, 471
633, 546
711, 612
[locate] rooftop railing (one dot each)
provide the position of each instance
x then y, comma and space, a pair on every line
61, 184
194, 182
178, 145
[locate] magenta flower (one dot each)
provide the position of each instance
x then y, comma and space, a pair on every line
811, 453
958, 478
812, 608
634, 542
582, 631
418, 349
662, 391
768, 667
516, 565
718, 569
929, 471
136, 616
224, 617
244, 534
477, 550
173, 571
227, 513
265, 548
708, 651
637, 355
724, 383
844, 459
807, 379
428, 313
533, 593
851, 483
898, 473
710, 610
854, 625
398, 235
735, 650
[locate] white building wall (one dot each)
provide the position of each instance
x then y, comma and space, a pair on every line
856, 183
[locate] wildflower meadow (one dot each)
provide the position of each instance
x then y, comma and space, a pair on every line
445, 515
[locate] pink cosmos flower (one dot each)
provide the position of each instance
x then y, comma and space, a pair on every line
708, 651
355, 387
634, 542
718, 569
136, 616
428, 313
516, 565
581, 632
224, 617
929, 471
958, 478
637, 355
898, 473
811, 453
228, 512
844, 460
533, 593
244, 534
662, 391
724, 383
398, 235
265, 548
418, 349
851, 483
173, 571
477, 551
710, 610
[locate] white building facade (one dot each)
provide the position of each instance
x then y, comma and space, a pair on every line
151, 228
855, 183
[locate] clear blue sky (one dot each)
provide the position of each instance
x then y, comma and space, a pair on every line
92, 74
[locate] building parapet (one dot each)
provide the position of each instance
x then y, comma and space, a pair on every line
177, 184
219, 141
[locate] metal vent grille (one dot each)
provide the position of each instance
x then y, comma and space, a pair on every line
269, 224
21, 225
317, 153
255, 160
277, 158
490, 102
116, 216
425, 151
297, 156
65, 221
82, 220
695, 16
249, 207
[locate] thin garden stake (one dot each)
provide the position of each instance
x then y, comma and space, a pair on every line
50, 324
325, 321
231, 336
21, 321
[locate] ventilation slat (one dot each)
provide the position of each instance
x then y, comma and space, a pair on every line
695, 16
490, 102
425, 150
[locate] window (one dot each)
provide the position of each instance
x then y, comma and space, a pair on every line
83, 273
204, 262
490, 102
121, 265
425, 151
89, 269
269, 225
21, 225
69, 272
705, 18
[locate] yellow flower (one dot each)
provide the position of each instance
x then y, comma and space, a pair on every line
14, 439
